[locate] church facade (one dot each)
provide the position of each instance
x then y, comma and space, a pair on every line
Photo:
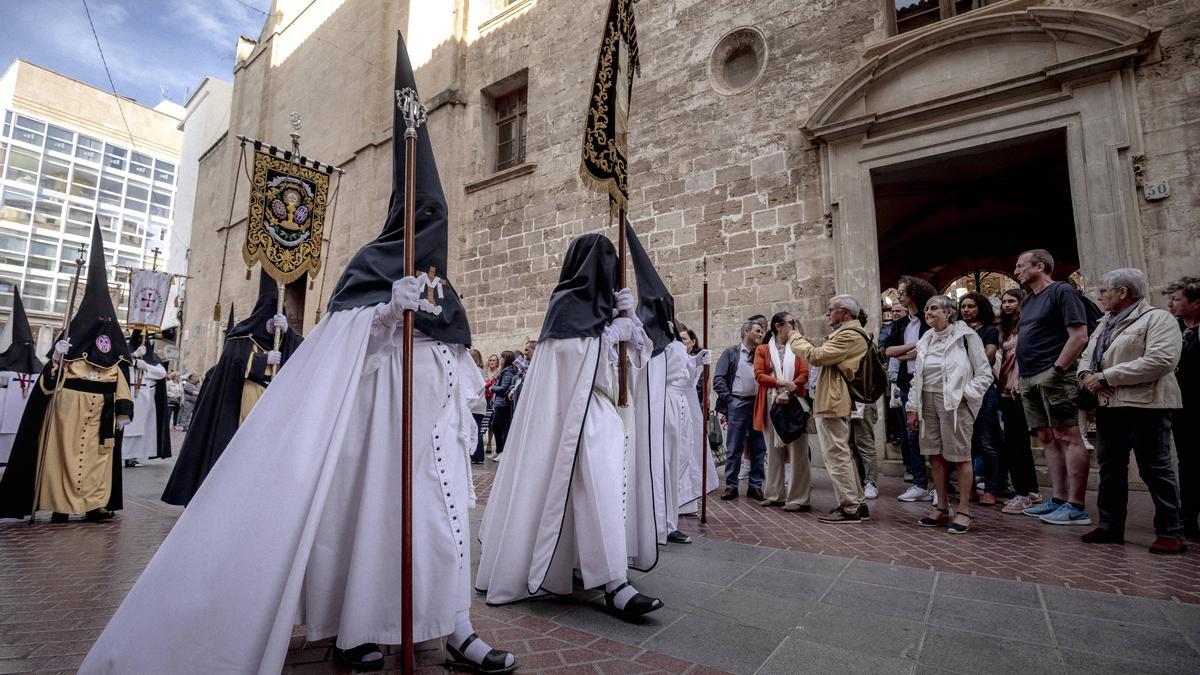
802, 148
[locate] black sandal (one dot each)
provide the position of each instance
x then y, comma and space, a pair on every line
353, 657
637, 606
941, 520
955, 528
493, 662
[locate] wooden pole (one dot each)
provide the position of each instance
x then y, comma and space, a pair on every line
704, 379
414, 115
623, 347
58, 378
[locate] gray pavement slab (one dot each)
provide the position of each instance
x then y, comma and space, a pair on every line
991, 590
882, 600
962, 652
729, 646
798, 656
862, 632
1144, 644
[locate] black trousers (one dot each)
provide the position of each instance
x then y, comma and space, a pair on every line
477, 456
1145, 431
1186, 428
501, 421
1018, 455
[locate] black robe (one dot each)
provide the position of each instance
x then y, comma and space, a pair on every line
216, 416
16, 486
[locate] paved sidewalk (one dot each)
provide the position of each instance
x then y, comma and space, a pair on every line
730, 606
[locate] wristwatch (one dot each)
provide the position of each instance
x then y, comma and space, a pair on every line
1059, 370
1103, 380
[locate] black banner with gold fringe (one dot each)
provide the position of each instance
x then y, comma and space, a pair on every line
606, 133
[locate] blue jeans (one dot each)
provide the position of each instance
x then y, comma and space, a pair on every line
910, 446
739, 427
986, 439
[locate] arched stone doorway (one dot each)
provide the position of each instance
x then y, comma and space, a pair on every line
1003, 80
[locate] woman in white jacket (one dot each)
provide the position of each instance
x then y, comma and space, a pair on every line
952, 374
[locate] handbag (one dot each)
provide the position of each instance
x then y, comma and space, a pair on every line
789, 419
716, 441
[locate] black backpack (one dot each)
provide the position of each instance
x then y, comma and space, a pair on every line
870, 380
1092, 310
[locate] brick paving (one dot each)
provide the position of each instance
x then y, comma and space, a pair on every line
735, 600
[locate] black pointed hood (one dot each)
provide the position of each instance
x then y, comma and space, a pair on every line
656, 305
95, 331
137, 339
583, 300
229, 326
368, 277
265, 307
21, 355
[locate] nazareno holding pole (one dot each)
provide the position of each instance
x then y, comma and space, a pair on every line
65, 458
301, 520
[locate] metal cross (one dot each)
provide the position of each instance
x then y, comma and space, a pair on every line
412, 109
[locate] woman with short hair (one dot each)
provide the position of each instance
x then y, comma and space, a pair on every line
952, 374
1129, 365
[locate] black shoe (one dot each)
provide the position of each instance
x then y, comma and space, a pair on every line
99, 515
638, 605
132, 464
355, 657
729, 493
58, 518
863, 512
493, 662
838, 516
677, 537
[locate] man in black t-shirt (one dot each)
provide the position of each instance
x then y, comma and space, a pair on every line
1053, 332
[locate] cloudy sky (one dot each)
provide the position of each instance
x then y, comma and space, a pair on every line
151, 45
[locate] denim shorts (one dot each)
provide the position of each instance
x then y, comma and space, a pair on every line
1049, 399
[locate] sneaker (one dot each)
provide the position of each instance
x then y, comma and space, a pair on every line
1016, 505
1067, 514
1036, 498
915, 494
496, 457
838, 516
864, 514
1039, 510
987, 499
870, 491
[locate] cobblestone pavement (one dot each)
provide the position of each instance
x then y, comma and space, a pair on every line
761, 591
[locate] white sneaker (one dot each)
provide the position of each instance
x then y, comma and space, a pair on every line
915, 494
870, 491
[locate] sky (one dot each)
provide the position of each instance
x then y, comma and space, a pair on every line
152, 46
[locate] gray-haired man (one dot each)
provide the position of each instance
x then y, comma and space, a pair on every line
736, 389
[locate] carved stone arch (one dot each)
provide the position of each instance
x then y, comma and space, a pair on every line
973, 81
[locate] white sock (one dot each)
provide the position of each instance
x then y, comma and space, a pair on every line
477, 650
623, 596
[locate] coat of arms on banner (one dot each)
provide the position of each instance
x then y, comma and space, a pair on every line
287, 217
148, 291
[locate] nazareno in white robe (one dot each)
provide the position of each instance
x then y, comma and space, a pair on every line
685, 426
12, 407
300, 520
651, 466
141, 435
558, 502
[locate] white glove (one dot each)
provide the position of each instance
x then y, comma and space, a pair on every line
274, 358
622, 329
406, 295
702, 358
624, 300
122, 422
61, 348
139, 352
278, 321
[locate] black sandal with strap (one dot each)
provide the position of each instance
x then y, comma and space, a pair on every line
637, 606
355, 656
955, 528
941, 520
492, 664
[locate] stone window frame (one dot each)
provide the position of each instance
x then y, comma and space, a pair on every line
947, 10
511, 110
489, 132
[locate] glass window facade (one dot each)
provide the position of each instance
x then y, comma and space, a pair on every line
53, 183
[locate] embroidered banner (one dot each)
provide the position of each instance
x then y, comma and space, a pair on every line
287, 217
606, 131
148, 294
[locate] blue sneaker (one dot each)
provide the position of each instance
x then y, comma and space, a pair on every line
1067, 514
1045, 508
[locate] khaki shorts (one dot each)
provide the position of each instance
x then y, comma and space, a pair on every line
944, 432
1049, 399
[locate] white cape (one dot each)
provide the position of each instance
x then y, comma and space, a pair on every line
12, 407
687, 428
558, 500
299, 522
141, 435
652, 493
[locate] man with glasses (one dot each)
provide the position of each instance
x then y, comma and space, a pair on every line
737, 390
838, 358
901, 345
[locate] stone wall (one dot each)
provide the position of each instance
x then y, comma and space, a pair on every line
728, 177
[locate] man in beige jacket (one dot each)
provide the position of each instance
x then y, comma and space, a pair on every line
842, 351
